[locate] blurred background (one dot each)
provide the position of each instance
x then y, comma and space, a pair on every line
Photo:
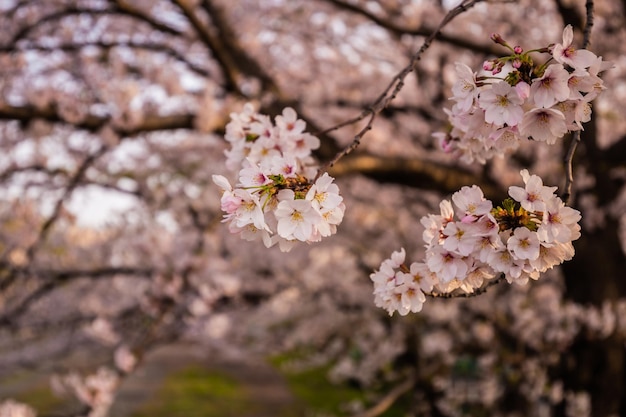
122, 294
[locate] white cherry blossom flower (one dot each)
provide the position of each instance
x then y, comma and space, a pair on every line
524, 244
289, 123
464, 89
551, 88
534, 195
252, 233
446, 264
503, 261
331, 218
502, 104
471, 203
287, 166
546, 125
565, 53
460, 238
252, 176
296, 217
559, 223
324, 193
411, 296
486, 245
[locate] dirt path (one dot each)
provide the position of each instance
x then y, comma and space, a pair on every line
267, 388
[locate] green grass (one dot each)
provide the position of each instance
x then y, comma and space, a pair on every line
33, 389
41, 398
320, 397
317, 395
195, 392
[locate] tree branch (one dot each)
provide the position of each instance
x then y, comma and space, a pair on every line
569, 157
397, 30
414, 172
156, 47
394, 87
55, 279
123, 8
388, 400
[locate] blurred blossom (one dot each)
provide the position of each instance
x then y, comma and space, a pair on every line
11, 408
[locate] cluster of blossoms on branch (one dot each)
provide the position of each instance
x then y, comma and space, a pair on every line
518, 99
279, 198
472, 241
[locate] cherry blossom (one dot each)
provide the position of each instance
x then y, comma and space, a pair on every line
524, 244
464, 89
296, 218
502, 104
534, 196
274, 200
552, 87
12, 408
565, 53
521, 100
545, 125
473, 242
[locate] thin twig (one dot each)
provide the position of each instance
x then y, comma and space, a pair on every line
394, 87
569, 157
588, 24
388, 400
569, 169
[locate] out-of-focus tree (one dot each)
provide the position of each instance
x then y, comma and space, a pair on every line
112, 116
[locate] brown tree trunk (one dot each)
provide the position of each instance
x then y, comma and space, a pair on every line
597, 274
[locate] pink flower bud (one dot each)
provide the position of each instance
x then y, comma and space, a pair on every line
497, 39
518, 49
488, 65
517, 63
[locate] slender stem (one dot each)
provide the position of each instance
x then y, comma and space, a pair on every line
569, 157
394, 87
588, 24
569, 169
389, 399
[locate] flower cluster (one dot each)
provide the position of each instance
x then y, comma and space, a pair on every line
517, 99
471, 241
274, 200
96, 390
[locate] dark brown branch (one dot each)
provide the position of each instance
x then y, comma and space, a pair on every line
414, 172
157, 47
73, 183
397, 30
394, 87
93, 123
569, 168
229, 67
588, 24
228, 43
569, 157
569, 13
389, 399
55, 279
233, 60
32, 168
122, 9
126, 7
